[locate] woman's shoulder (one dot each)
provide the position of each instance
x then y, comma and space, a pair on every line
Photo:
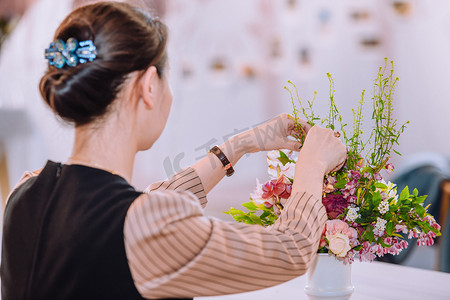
25, 177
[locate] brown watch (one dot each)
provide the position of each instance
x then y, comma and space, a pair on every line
221, 156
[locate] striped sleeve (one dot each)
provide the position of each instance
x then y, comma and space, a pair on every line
173, 250
185, 180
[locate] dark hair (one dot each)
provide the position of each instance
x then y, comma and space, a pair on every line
127, 39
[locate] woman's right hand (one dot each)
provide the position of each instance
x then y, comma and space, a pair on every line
321, 154
324, 148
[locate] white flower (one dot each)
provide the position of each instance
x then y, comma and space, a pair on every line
276, 168
380, 227
383, 207
339, 244
257, 194
352, 214
389, 192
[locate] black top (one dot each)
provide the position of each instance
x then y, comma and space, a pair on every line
63, 236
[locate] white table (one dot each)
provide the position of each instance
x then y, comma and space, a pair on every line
372, 281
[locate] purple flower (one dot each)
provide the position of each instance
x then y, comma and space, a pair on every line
335, 205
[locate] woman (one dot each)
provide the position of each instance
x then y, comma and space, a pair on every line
79, 231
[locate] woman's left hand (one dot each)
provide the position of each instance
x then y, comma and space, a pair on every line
273, 135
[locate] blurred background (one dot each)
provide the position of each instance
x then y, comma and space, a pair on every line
230, 61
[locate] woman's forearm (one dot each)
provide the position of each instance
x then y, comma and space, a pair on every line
274, 134
308, 177
210, 169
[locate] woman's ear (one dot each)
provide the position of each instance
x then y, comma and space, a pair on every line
148, 86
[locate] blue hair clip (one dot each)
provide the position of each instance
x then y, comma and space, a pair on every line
71, 53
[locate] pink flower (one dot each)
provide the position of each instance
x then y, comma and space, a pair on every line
349, 258
390, 167
331, 179
432, 222
351, 187
377, 176
335, 205
287, 191
354, 174
378, 250
351, 199
338, 226
335, 226
328, 184
366, 253
413, 234
276, 187
402, 228
436, 226
340, 237
426, 239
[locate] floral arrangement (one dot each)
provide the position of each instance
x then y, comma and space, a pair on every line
367, 216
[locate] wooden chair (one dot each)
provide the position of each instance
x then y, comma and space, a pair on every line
445, 202
4, 176
443, 216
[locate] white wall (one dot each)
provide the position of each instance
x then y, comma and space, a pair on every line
244, 35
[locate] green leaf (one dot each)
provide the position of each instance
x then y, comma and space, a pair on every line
397, 235
398, 153
250, 206
420, 199
376, 199
393, 208
390, 228
405, 209
388, 216
380, 185
283, 158
340, 184
420, 210
404, 194
416, 192
358, 248
243, 219
234, 211
256, 219
368, 235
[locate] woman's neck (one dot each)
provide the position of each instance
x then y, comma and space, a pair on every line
108, 146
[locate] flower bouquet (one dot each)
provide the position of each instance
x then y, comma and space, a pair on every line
367, 216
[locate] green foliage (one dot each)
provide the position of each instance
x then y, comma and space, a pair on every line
256, 215
284, 159
376, 201
384, 134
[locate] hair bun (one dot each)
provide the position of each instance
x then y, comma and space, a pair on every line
84, 92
